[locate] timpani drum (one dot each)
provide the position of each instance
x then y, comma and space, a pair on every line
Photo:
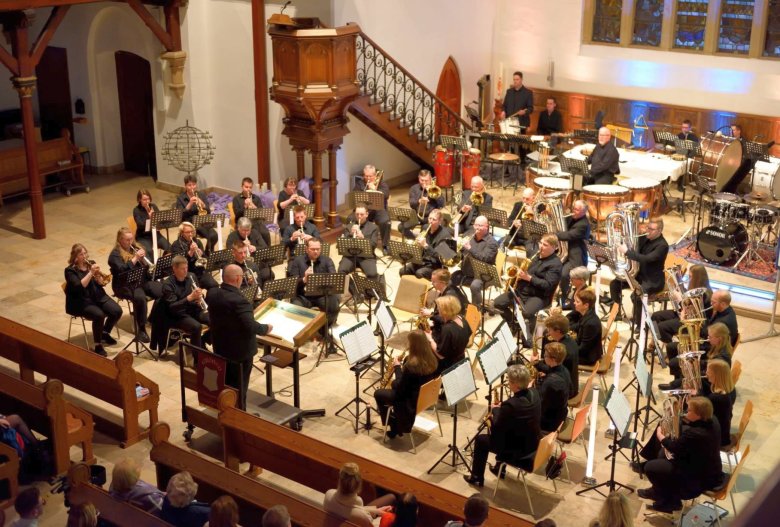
721, 157
645, 191
603, 199
442, 166
766, 179
553, 185
471, 162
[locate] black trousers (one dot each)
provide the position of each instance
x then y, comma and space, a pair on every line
237, 375
205, 278
384, 399
211, 237
103, 315
668, 322
382, 220
140, 307
616, 293
505, 303
192, 326
420, 271
262, 230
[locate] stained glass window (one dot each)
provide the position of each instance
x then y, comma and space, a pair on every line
736, 21
648, 20
772, 43
606, 21
689, 24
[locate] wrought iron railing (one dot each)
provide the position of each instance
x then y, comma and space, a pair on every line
387, 83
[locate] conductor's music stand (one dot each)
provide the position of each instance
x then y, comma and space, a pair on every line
405, 252
218, 259
167, 219
163, 267
325, 284
283, 288
133, 279
270, 256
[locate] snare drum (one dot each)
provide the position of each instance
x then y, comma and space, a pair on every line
643, 190
764, 215
721, 157
471, 162
766, 178
603, 199
722, 244
442, 166
510, 126
720, 210
552, 185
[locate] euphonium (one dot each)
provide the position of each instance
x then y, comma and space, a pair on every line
674, 286
389, 370
692, 305
690, 365
622, 227
556, 222
539, 329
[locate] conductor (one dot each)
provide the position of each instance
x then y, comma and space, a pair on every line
234, 329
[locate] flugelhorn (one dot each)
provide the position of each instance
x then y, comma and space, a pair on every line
104, 277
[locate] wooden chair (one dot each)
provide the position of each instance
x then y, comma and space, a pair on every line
613, 312
543, 452
727, 489
602, 367
429, 396
474, 318
9, 471
571, 430
736, 372
736, 344
232, 214
731, 452
131, 223
406, 304
578, 400
83, 323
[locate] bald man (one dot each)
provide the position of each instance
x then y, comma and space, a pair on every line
483, 247
603, 161
519, 209
234, 329
469, 211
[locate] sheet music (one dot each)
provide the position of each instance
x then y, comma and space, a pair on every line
521, 320
385, 319
491, 359
507, 340
643, 375
148, 224
618, 409
359, 342
285, 324
458, 382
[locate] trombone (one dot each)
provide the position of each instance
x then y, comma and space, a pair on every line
476, 199
431, 192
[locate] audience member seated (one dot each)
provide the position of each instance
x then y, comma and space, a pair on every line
404, 513
224, 513
126, 485
615, 512
277, 516
84, 515
29, 506
345, 503
14, 432
180, 507
475, 512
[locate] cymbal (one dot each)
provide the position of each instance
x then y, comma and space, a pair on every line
504, 156
756, 198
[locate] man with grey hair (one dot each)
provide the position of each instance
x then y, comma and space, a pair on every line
576, 233
483, 247
179, 505
277, 516
519, 210
578, 279
603, 160
515, 431
379, 217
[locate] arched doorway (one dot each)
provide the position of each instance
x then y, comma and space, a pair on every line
134, 88
449, 91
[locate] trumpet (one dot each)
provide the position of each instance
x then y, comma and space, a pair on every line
146, 261
201, 260
302, 233
203, 305
101, 277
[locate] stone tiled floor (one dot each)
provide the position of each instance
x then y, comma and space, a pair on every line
30, 293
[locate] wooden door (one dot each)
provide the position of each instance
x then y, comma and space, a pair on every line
449, 92
54, 93
134, 87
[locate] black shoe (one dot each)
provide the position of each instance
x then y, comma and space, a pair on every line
494, 470
100, 351
143, 337
639, 468
473, 480
666, 508
647, 494
665, 386
108, 339
392, 434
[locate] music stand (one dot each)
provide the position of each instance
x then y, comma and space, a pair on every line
301, 249
458, 383
489, 276
216, 260
208, 220
664, 137
601, 254
574, 166
163, 267
249, 292
402, 214
495, 217
687, 147
360, 344
133, 280
405, 252
532, 229
167, 219
756, 151
371, 199
263, 214
369, 289
270, 256
283, 288
325, 284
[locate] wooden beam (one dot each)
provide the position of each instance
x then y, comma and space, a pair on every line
261, 96
173, 24
21, 5
9, 61
151, 23
47, 33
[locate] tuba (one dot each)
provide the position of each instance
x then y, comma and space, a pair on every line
555, 220
623, 227
692, 305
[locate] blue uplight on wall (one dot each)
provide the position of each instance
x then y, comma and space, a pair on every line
643, 74
727, 81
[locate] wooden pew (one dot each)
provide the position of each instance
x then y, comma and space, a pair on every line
9, 472
116, 511
110, 380
252, 496
44, 409
316, 464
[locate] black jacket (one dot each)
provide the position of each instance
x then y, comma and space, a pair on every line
369, 230
515, 100
697, 454
468, 219
433, 239
651, 255
298, 267
604, 160
589, 338
549, 123
578, 230
238, 204
407, 390
516, 427
545, 276
78, 297
140, 216
254, 238
234, 329
415, 193
308, 228
554, 392
727, 317
183, 200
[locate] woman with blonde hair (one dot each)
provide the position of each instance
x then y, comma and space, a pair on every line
345, 502
126, 485
84, 515
450, 341
719, 389
616, 512
402, 394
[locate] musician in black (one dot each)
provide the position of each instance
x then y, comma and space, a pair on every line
85, 297
252, 272
289, 198
557, 330
668, 320
576, 233
194, 203
303, 267
651, 256
603, 160
246, 200
514, 433
182, 305
550, 120
188, 245
124, 258
521, 209
534, 288
421, 203
301, 231
554, 387
142, 215
380, 217
362, 229
685, 132
234, 330
518, 101
469, 210
442, 285
589, 344
695, 465
450, 341
483, 247
436, 233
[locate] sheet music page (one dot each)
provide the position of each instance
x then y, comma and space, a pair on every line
491, 359
148, 224
619, 409
521, 321
505, 335
285, 324
643, 376
458, 382
385, 319
359, 342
